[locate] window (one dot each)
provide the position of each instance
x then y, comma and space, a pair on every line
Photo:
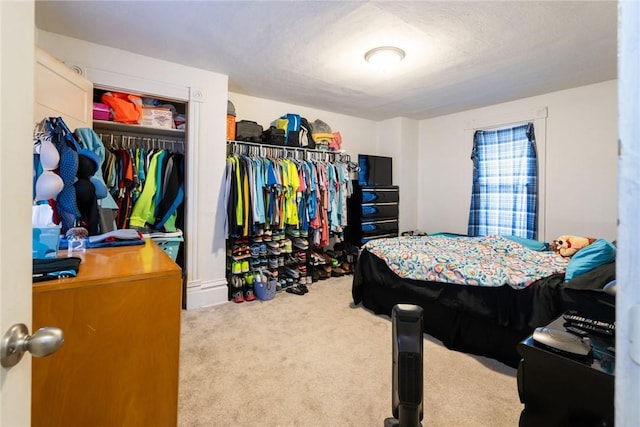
504, 197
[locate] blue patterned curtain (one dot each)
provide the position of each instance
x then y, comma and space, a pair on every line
504, 197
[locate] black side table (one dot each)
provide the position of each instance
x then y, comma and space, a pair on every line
562, 390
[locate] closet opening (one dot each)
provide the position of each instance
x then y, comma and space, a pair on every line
145, 167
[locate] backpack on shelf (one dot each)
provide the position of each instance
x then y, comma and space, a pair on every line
306, 131
290, 123
273, 136
247, 130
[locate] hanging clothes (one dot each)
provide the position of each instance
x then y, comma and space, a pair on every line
306, 197
147, 185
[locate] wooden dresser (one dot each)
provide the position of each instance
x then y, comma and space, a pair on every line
118, 365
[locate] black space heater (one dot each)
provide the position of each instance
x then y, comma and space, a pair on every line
407, 397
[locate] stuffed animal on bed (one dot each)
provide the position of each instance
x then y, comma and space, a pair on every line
569, 245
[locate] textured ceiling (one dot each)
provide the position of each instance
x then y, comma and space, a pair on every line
459, 54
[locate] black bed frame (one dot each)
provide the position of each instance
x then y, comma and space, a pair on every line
478, 320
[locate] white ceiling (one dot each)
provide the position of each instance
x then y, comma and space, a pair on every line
459, 54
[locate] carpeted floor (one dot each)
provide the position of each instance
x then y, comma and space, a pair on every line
316, 360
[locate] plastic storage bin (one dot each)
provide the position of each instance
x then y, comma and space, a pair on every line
170, 245
45, 242
265, 290
101, 111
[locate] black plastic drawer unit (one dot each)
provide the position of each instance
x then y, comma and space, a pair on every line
371, 211
380, 195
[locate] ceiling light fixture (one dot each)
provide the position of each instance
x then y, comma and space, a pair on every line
384, 56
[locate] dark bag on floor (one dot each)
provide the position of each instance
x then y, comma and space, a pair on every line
273, 136
249, 131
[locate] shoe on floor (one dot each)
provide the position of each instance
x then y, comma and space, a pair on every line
248, 294
295, 290
337, 272
237, 296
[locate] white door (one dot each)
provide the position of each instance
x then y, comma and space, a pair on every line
61, 92
17, 29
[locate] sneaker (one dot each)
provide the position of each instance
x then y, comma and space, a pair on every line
254, 263
255, 250
245, 266
248, 294
301, 243
294, 232
337, 272
263, 249
237, 296
295, 290
316, 259
292, 272
236, 267
280, 261
288, 247
248, 279
274, 251
273, 263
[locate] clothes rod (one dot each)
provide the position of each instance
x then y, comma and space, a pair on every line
288, 148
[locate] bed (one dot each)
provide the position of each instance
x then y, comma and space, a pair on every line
480, 295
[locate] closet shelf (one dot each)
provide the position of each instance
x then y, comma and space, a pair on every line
283, 150
123, 127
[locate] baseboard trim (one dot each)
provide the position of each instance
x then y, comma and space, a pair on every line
207, 294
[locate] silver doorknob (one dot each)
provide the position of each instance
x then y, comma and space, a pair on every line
17, 340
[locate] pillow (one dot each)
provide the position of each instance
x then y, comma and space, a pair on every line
594, 279
534, 245
586, 259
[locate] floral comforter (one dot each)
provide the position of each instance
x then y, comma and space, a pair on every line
477, 261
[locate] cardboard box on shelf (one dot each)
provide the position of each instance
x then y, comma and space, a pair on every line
157, 117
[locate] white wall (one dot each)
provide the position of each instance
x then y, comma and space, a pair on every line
578, 155
358, 135
395, 138
206, 142
398, 138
